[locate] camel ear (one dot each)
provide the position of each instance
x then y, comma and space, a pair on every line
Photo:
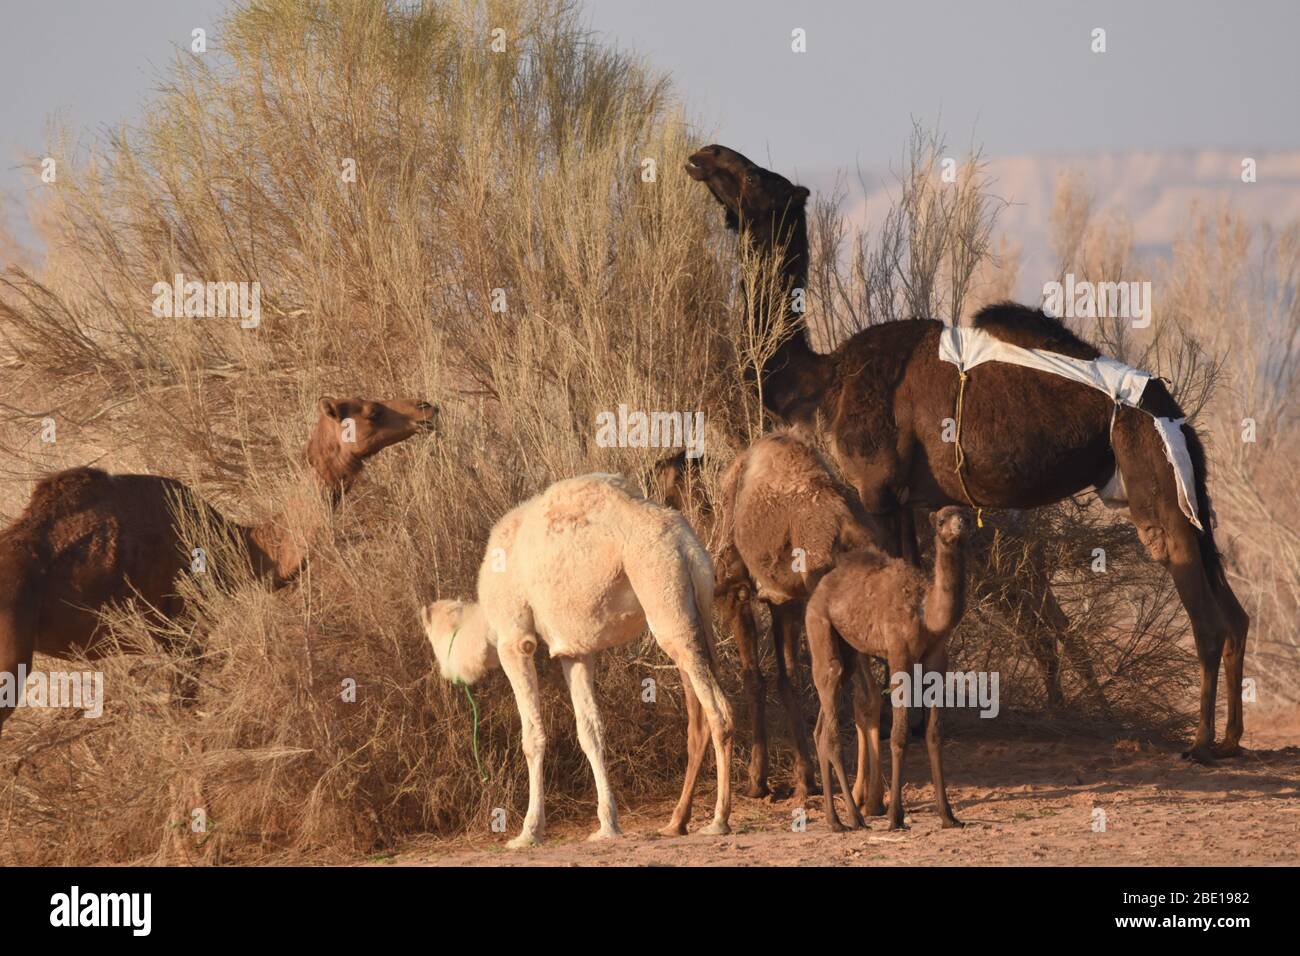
329, 407
801, 193
934, 520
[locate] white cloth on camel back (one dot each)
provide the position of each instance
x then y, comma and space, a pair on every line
968, 347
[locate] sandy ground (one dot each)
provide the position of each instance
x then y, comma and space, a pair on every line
1023, 803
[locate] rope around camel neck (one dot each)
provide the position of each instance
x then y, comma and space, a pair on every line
961, 455
472, 706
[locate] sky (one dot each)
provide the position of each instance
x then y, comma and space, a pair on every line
1016, 76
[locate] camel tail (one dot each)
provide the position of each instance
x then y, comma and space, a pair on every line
1157, 400
1210, 556
701, 568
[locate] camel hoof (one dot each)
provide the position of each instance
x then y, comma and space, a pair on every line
757, 790
524, 841
898, 825
952, 823
1202, 754
806, 790
673, 829
605, 833
717, 828
1225, 750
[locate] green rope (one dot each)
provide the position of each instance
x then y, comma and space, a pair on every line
472, 706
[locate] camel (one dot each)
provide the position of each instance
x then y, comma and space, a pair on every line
1029, 438
884, 607
586, 565
88, 539
785, 522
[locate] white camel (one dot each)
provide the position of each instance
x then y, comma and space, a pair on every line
586, 565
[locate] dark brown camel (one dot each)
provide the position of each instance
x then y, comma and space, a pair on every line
88, 539
1030, 438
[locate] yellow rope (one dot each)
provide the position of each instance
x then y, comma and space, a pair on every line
961, 455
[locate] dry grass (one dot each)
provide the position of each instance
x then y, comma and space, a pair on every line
475, 171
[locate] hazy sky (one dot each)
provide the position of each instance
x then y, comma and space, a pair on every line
1017, 75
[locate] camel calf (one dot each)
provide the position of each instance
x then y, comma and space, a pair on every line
586, 565
884, 607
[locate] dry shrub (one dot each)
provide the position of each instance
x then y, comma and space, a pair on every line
931, 256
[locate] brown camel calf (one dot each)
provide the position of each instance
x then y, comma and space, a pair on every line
877, 606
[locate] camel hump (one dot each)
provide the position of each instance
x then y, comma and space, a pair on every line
66, 491
1029, 328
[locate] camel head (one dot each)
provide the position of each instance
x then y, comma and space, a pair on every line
952, 524
748, 192
350, 430
458, 633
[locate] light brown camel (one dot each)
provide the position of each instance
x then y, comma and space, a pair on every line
1029, 438
586, 565
878, 606
784, 523
88, 539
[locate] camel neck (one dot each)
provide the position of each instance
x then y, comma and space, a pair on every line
279, 547
792, 378
945, 601
470, 652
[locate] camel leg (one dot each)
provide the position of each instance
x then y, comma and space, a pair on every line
1037, 602
1209, 631
1219, 625
739, 615
873, 805
828, 673
786, 620
591, 735
938, 663
1081, 661
1234, 660
1172, 540
697, 737
862, 724
898, 737
848, 661
689, 650
1041, 645
516, 653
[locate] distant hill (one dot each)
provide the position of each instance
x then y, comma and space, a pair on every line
1156, 190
